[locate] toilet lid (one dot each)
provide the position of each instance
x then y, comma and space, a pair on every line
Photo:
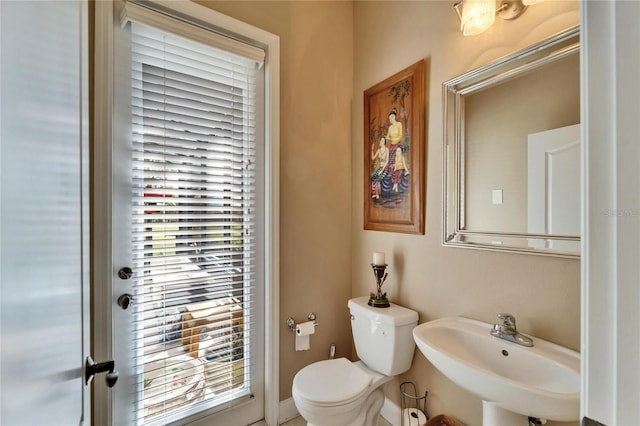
334, 381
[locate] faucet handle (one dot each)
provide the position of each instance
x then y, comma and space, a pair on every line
508, 320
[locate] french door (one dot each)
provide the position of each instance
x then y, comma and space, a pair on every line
188, 266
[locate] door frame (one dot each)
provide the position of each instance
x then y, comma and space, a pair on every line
611, 213
102, 268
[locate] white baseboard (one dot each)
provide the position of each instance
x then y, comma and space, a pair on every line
288, 410
391, 412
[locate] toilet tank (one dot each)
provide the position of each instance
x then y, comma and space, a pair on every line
383, 336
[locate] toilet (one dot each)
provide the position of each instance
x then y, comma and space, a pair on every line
338, 392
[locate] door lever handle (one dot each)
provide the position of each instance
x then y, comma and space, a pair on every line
92, 368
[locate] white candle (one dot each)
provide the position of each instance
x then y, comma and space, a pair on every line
378, 258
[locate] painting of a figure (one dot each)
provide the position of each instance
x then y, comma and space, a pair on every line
394, 153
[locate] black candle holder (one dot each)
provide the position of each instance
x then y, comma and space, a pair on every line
379, 299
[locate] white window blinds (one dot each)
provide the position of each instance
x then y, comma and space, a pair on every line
194, 224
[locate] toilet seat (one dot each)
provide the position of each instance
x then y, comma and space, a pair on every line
331, 382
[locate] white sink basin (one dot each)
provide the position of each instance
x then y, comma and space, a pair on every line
512, 380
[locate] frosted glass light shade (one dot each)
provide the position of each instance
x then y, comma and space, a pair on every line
477, 16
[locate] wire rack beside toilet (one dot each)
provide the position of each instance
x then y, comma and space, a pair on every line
413, 407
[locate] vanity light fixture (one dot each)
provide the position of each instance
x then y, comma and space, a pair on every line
478, 15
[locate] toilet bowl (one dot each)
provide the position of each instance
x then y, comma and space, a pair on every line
338, 392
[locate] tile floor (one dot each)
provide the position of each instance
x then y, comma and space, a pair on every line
299, 421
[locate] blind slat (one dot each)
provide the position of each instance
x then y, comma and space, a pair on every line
202, 92
193, 140
187, 70
167, 143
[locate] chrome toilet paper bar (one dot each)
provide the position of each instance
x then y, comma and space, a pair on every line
292, 324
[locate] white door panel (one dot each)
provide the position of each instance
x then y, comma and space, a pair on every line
43, 199
554, 185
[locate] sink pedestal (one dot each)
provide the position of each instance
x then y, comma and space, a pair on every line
494, 415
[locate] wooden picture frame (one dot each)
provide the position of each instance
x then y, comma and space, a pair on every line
394, 153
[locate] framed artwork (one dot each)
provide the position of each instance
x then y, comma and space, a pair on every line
394, 153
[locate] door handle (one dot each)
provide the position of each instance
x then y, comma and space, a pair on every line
92, 368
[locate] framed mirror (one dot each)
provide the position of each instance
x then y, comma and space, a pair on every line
512, 152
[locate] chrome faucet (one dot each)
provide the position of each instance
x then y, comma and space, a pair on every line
507, 331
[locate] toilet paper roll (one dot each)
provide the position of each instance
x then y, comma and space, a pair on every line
302, 343
303, 331
306, 328
413, 417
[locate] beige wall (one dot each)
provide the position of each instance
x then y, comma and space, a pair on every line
316, 42
331, 53
543, 293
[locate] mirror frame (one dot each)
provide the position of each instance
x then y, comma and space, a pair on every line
454, 233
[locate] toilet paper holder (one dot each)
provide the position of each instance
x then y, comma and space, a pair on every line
412, 406
292, 324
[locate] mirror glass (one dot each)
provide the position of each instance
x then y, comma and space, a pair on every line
512, 152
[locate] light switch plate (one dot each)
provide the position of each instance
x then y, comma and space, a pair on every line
496, 195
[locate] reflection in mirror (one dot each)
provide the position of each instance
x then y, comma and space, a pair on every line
512, 154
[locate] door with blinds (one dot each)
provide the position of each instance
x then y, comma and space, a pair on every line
188, 204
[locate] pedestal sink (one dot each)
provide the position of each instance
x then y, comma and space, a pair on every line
514, 382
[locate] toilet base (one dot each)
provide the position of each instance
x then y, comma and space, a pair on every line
369, 412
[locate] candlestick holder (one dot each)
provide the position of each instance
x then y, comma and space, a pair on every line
379, 299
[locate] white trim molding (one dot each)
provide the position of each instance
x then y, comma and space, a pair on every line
611, 213
101, 221
392, 412
288, 410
